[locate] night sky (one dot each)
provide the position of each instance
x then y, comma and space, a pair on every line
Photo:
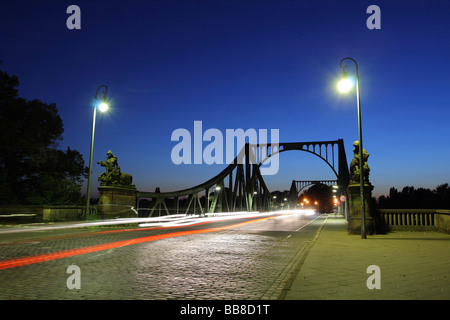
240, 64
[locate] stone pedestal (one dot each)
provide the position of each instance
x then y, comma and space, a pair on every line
354, 222
117, 202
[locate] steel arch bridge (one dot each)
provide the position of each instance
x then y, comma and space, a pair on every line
299, 185
240, 186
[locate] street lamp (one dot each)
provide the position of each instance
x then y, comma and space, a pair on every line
344, 86
103, 106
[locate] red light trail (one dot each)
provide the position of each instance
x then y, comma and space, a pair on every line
18, 262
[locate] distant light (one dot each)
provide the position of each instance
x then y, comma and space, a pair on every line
218, 188
345, 85
103, 107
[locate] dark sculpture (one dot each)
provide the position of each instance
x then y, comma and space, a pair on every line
355, 165
113, 176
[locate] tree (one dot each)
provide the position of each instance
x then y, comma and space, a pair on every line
322, 194
412, 198
32, 169
442, 193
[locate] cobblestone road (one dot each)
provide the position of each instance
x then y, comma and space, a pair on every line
250, 262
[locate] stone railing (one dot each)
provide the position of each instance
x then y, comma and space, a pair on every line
45, 213
416, 219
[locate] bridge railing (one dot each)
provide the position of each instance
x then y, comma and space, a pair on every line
16, 214
416, 219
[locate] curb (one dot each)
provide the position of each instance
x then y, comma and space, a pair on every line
302, 254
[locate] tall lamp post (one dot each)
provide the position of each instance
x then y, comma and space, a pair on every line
103, 106
344, 86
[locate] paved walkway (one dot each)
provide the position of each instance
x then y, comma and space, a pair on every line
412, 265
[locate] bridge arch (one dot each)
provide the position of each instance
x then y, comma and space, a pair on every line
299, 185
306, 150
339, 167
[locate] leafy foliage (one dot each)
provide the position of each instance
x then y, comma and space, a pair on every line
421, 198
32, 169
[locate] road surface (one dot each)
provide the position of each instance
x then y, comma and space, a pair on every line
239, 257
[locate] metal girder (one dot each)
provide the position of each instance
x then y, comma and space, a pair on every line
246, 187
301, 184
325, 150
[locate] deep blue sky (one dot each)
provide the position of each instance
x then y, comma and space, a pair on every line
241, 64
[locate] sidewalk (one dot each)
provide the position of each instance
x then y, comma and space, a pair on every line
413, 265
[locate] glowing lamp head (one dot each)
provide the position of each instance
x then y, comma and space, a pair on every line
345, 85
103, 106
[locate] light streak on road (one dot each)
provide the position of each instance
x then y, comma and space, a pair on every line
18, 262
222, 216
169, 221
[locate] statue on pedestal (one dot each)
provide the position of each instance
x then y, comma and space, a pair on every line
113, 176
356, 192
355, 165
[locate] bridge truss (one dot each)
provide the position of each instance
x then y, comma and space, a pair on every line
240, 186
